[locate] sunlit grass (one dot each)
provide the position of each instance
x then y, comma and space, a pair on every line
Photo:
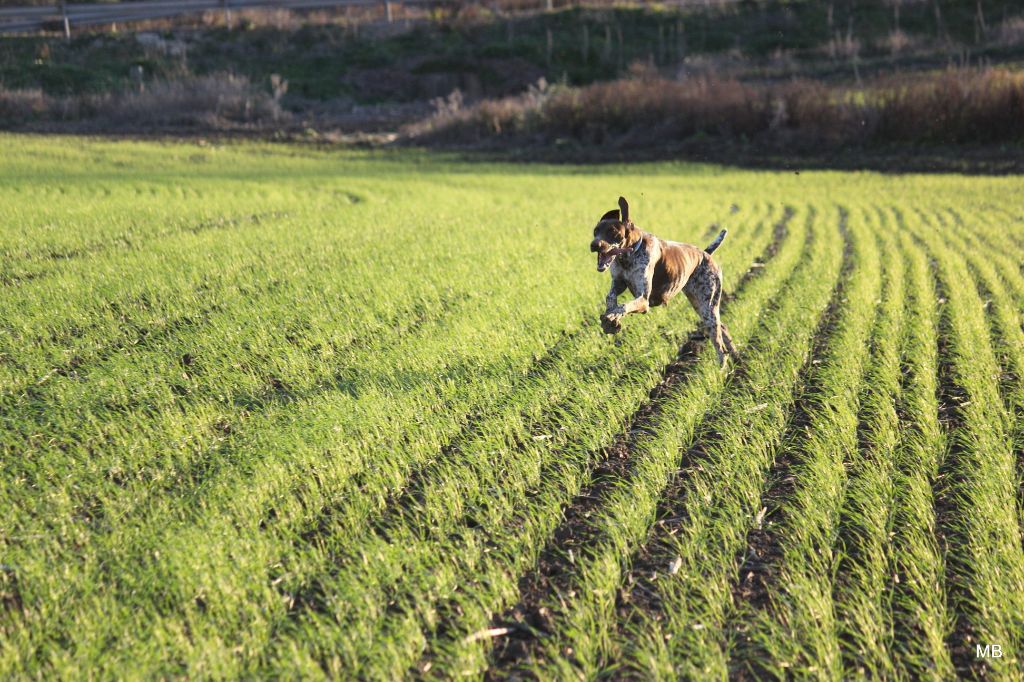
273, 410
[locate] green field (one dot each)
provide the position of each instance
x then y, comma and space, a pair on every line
273, 411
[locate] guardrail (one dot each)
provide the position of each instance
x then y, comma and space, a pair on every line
63, 17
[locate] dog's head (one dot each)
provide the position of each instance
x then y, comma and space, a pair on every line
613, 235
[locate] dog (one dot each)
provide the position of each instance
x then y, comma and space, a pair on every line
655, 270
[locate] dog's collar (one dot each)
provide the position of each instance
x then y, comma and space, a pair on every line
635, 248
623, 252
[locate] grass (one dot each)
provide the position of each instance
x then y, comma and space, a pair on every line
279, 411
862, 598
796, 628
980, 468
703, 521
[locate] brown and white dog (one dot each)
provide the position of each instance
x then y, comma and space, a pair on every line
655, 270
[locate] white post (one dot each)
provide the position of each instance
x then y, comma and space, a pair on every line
67, 24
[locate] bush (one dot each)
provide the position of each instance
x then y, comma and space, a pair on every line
966, 106
957, 106
218, 102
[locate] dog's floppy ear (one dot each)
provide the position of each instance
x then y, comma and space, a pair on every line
625, 209
611, 215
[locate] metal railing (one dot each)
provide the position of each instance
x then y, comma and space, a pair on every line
63, 17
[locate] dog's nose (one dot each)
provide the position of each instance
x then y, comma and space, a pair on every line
595, 245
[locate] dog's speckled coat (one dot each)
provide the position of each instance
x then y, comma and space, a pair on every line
655, 270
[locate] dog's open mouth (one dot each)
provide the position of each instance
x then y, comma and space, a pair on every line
605, 259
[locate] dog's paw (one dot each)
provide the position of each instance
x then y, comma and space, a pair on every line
610, 324
614, 315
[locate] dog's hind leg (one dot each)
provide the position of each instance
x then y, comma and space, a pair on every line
727, 337
705, 295
723, 337
713, 325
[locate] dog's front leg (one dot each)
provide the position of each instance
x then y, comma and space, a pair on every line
612, 300
639, 304
611, 303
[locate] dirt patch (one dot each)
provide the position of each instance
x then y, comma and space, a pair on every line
10, 592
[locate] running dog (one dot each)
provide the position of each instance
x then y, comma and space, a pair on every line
655, 270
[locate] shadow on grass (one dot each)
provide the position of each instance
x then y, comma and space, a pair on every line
1005, 159
966, 159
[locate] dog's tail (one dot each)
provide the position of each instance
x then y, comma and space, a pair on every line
718, 241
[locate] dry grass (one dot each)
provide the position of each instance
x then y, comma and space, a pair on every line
957, 106
983, 106
214, 102
1010, 32
899, 42
964, 106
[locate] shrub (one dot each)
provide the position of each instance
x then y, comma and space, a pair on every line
217, 101
966, 106
956, 107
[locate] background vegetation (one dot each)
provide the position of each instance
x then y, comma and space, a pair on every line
869, 70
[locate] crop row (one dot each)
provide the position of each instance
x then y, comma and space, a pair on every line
181, 491
978, 521
583, 604
276, 411
467, 509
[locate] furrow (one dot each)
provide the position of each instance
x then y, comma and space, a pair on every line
786, 624
863, 579
978, 529
587, 550
921, 621
674, 606
486, 506
615, 463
